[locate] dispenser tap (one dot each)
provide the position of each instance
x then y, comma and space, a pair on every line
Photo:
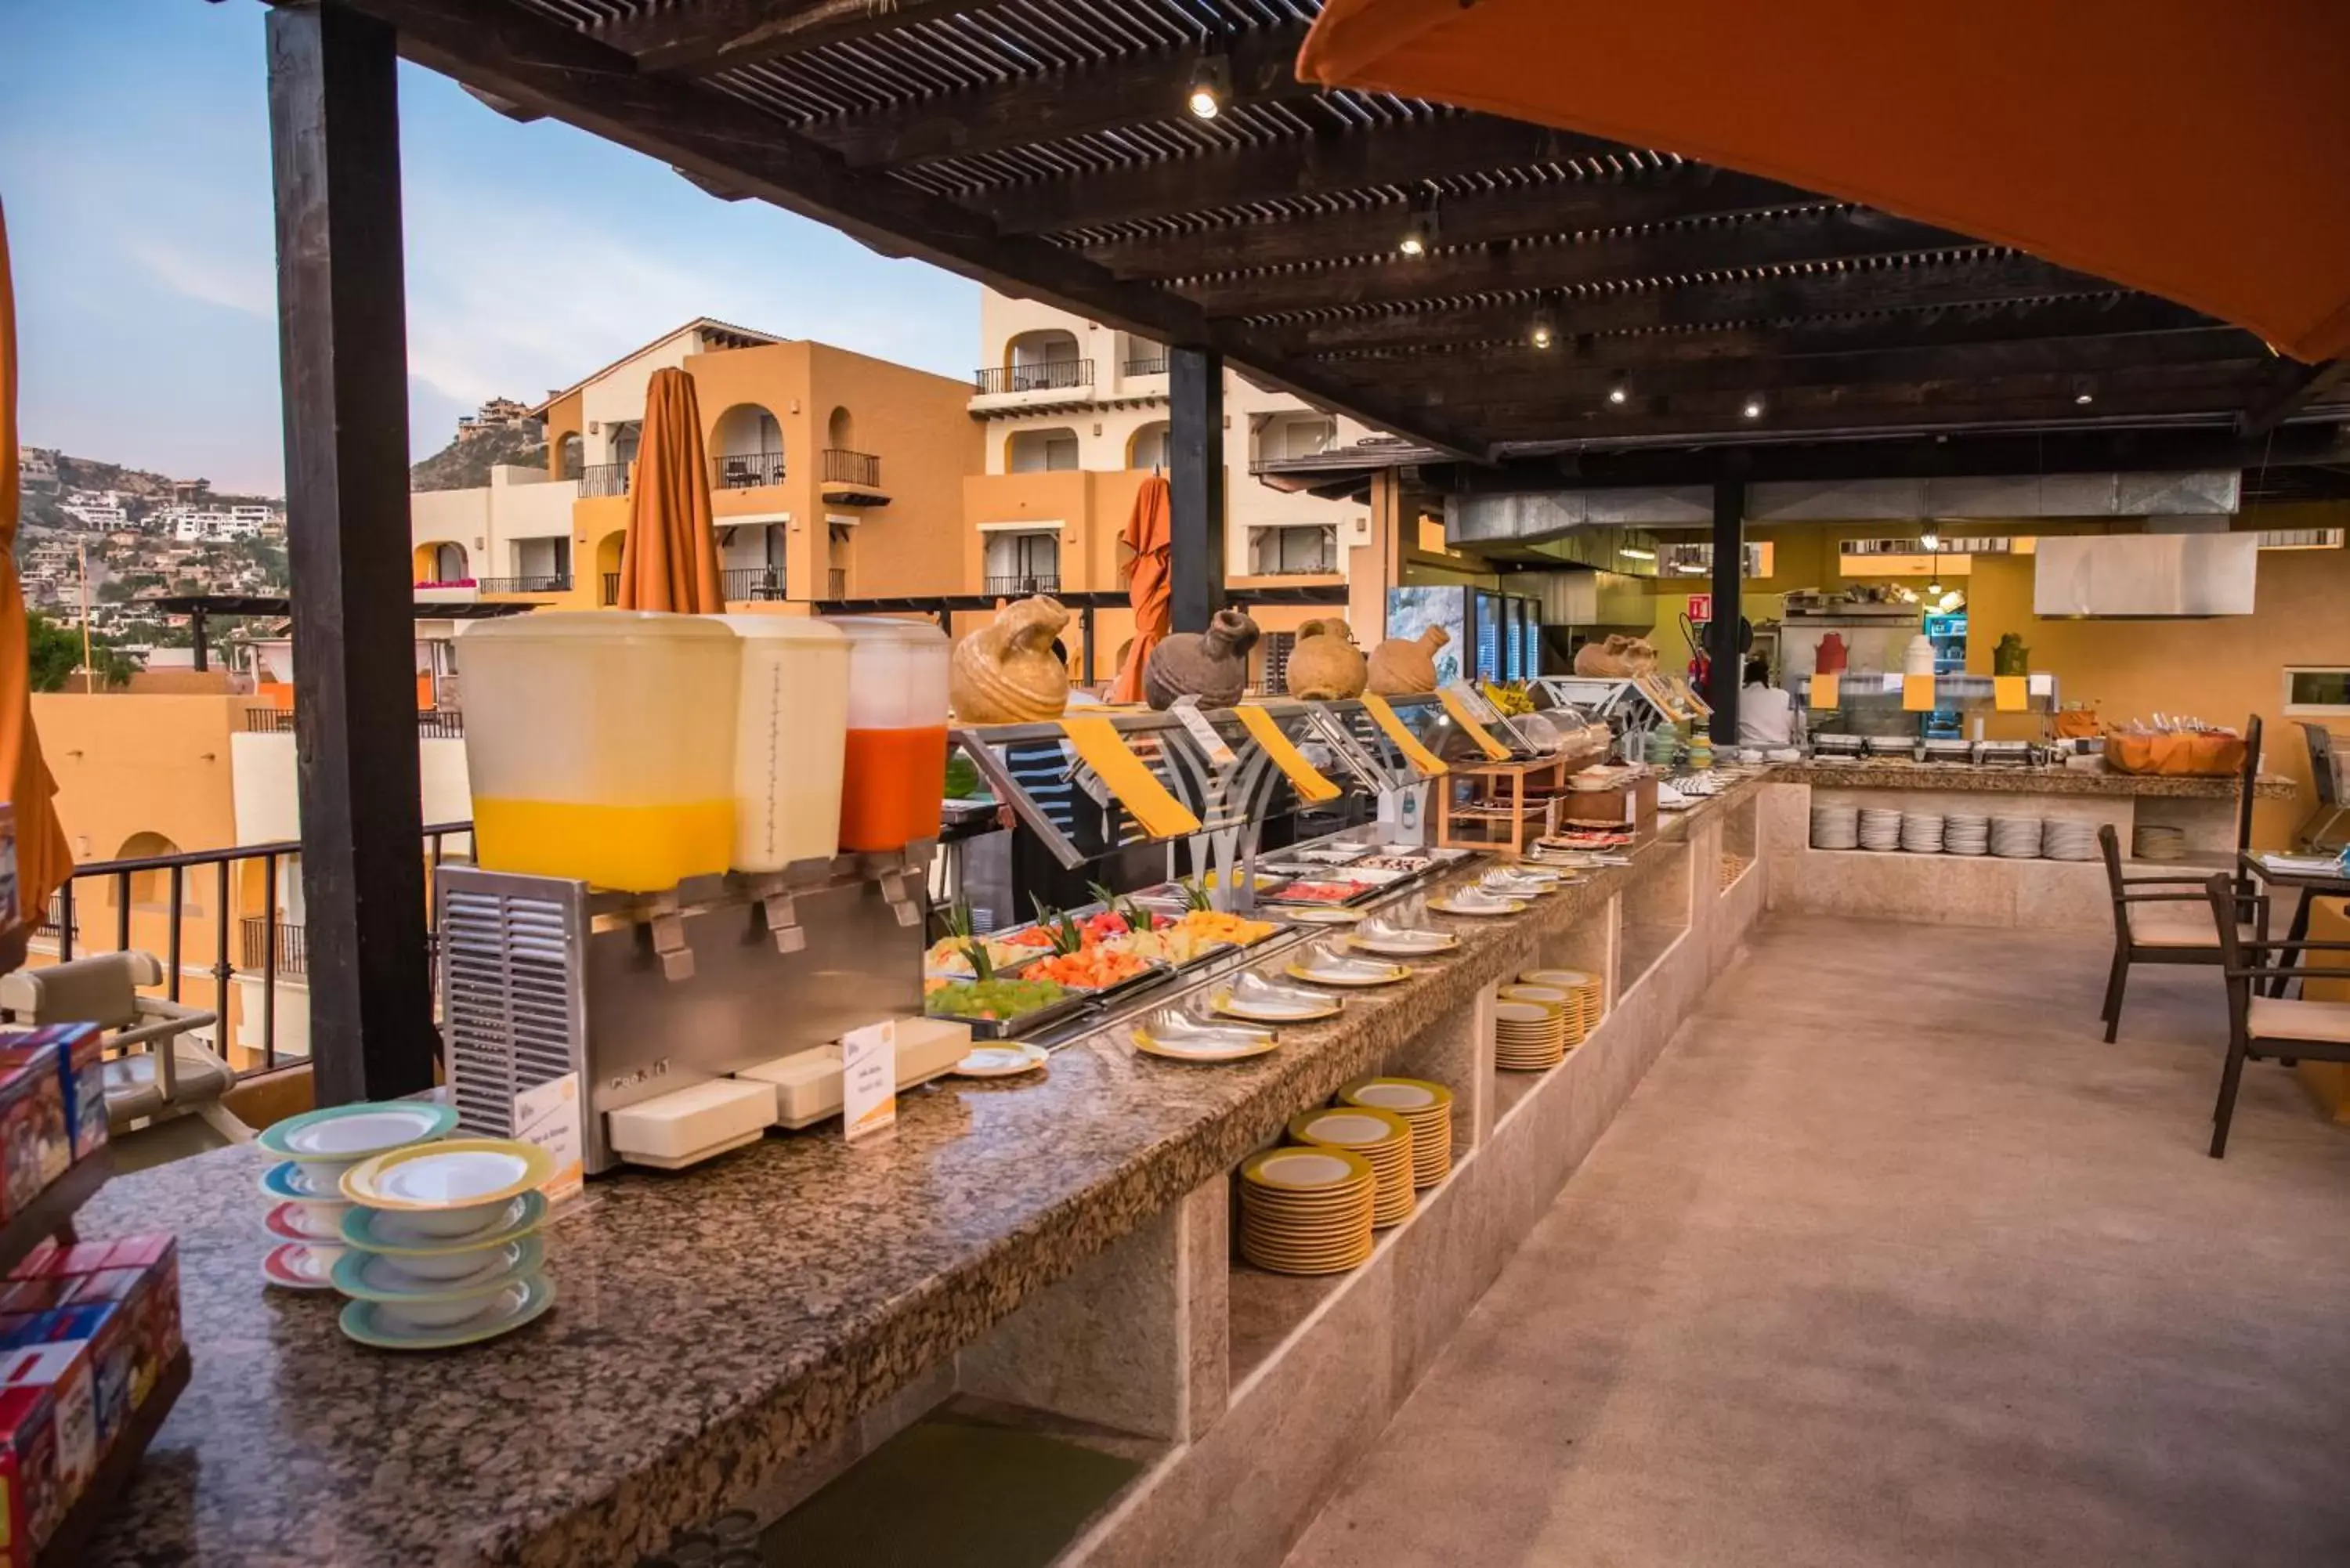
784, 922
668, 937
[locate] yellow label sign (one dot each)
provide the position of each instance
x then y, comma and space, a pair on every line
1826, 688
2010, 694
1469, 726
1304, 776
1129, 778
1394, 728
1918, 693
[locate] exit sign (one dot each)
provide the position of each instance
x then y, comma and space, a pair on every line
1700, 607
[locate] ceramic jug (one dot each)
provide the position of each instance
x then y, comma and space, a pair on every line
1832, 654
1006, 672
1211, 665
1402, 667
1325, 666
2010, 657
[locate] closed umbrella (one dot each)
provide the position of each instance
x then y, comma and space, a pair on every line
2194, 149
669, 556
1149, 534
44, 858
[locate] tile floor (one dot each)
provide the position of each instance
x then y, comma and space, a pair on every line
1890, 1260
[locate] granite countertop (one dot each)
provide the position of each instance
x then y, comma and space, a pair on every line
1876, 773
712, 1324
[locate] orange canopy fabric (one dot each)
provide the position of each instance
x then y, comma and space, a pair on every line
2194, 149
44, 858
668, 557
1150, 534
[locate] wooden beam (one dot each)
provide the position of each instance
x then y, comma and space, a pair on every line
1031, 110
1195, 453
1399, 155
2301, 387
1648, 196
571, 77
334, 122
1641, 257
701, 36
1697, 304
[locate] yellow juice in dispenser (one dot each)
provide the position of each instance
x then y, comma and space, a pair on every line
634, 848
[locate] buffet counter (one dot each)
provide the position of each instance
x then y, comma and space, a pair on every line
732, 1335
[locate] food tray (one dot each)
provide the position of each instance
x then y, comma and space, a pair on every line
1282, 896
1157, 975
1026, 1023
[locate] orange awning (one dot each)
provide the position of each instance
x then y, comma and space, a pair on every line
1150, 534
44, 858
669, 556
2195, 151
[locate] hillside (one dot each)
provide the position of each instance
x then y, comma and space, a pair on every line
464, 464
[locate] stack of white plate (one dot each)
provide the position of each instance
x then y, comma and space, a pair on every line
1582, 987
2015, 837
1966, 835
1427, 1106
1921, 832
1381, 1138
303, 1191
1836, 827
1880, 829
1308, 1210
1529, 1036
2062, 840
2159, 841
442, 1243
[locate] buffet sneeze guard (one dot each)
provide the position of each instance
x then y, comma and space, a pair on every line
540, 977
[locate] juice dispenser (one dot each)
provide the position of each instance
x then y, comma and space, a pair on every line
894, 779
788, 740
600, 745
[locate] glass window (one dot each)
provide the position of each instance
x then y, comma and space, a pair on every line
1041, 452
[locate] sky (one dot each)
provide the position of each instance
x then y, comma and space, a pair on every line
134, 171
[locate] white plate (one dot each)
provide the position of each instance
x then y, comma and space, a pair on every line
1394, 947
1354, 1129
1279, 1011
304, 1222
1505, 906
352, 1133
1309, 915
505, 1310
448, 1179
297, 1267
1004, 1061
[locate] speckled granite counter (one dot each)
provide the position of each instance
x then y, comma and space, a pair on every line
714, 1324
1878, 774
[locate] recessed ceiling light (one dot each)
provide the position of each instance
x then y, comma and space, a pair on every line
1634, 553
2084, 399
1618, 396
1420, 232
1212, 83
1544, 334
1753, 409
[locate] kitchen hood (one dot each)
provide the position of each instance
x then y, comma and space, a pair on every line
2144, 576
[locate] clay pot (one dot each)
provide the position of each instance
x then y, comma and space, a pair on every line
1325, 666
1005, 673
1403, 667
1619, 658
1211, 665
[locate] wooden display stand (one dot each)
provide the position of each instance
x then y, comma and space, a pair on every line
1632, 805
1499, 805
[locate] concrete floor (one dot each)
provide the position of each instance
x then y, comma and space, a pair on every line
1890, 1260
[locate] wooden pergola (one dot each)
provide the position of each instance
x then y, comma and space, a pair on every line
1539, 307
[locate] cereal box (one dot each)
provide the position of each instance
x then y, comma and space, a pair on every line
156, 1309
64, 1368
28, 1449
80, 1051
103, 1329
35, 1148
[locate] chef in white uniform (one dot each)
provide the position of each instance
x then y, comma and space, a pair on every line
1766, 715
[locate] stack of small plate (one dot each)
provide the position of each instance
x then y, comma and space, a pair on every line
306, 1202
1966, 835
1836, 827
1308, 1210
1880, 829
442, 1245
2015, 837
2061, 838
2159, 841
1529, 1036
1427, 1106
1381, 1138
1584, 986
1921, 832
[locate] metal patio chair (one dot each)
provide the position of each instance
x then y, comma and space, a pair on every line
2188, 940
154, 1068
2263, 1027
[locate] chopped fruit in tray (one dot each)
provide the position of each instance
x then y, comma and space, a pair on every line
1318, 892
1094, 968
996, 999
1036, 937
1219, 927
1176, 945
952, 955
1397, 863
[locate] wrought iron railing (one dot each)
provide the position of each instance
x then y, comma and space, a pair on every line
1148, 365
744, 471
1024, 585
842, 467
534, 583
63, 923
1043, 378
604, 478
835, 582
748, 583
432, 724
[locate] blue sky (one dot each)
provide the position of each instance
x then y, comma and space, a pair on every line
134, 166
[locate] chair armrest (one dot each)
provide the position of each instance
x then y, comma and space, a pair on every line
160, 1008
2161, 899
2164, 881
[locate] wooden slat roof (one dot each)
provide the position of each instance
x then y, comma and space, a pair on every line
1042, 146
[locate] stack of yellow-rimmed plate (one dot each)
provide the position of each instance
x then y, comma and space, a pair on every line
1569, 1003
1382, 1137
1308, 1210
1529, 1036
1427, 1106
1588, 994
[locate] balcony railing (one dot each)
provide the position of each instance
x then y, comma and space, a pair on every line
432, 724
1147, 365
270, 960
611, 594
604, 478
533, 583
1024, 585
842, 467
1311, 567
835, 582
746, 583
747, 469
1044, 378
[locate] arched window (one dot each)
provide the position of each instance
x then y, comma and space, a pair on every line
1037, 361
1040, 451
746, 448
1148, 450
440, 561
151, 889
571, 456
840, 431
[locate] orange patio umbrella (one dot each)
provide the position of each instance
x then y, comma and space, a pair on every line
44, 858
2194, 149
1150, 534
669, 556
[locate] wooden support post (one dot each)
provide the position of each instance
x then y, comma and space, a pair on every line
1195, 387
1086, 636
1721, 635
197, 629
334, 123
